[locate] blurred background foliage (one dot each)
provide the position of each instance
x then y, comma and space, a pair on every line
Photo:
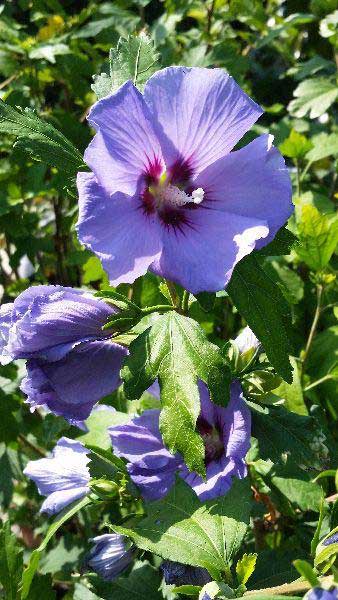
284, 54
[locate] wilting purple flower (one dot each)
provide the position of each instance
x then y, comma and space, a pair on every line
320, 594
111, 554
333, 539
226, 436
72, 363
179, 574
246, 340
166, 194
63, 477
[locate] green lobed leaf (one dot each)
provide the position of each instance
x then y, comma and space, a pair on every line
175, 349
134, 59
245, 567
314, 96
260, 301
40, 139
10, 562
102, 85
282, 433
97, 425
324, 145
305, 569
318, 236
180, 528
297, 488
292, 393
296, 145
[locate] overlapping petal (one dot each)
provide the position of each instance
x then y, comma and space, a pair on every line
126, 147
202, 255
110, 555
117, 230
252, 182
151, 466
48, 321
71, 386
201, 114
234, 421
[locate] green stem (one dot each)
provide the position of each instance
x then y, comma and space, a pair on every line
173, 293
313, 329
158, 308
185, 302
318, 382
287, 588
30, 445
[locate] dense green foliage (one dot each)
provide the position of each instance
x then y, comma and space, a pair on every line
56, 59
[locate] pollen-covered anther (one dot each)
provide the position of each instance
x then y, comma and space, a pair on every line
172, 195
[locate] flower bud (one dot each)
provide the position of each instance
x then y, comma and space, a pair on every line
104, 489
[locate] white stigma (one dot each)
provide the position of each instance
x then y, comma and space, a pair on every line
170, 194
198, 195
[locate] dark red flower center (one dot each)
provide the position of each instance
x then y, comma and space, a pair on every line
167, 192
212, 438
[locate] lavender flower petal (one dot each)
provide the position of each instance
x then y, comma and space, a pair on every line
70, 387
246, 340
252, 182
125, 148
63, 477
202, 114
48, 321
202, 256
116, 229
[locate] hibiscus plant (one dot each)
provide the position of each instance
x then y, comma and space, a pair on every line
167, 336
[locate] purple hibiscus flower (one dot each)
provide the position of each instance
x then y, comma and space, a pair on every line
71, 362
111, 554
63, 477
166, 194
320, 594
226, 436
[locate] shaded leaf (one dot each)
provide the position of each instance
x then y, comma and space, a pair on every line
260, 301
141, 584
282, 433
10, 562
40, 139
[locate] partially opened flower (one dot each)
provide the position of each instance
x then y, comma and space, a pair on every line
246, 340
166, 194
110, 556
226, 436
63, 477
72, 362
179, 574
